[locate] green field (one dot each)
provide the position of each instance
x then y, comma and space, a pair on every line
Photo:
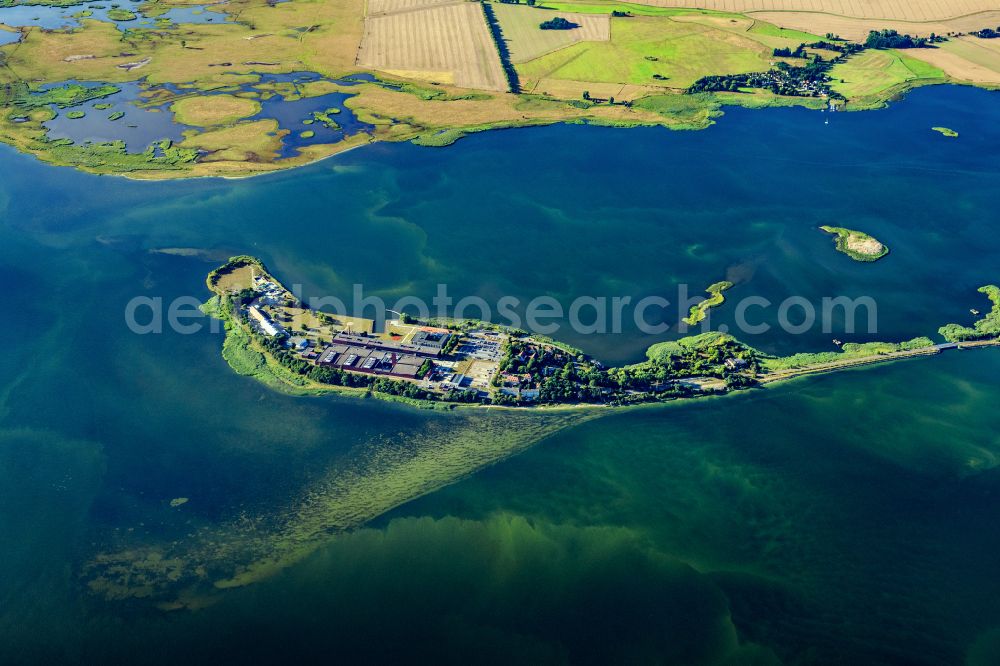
598, 7
643, 47
868, 78
849, 351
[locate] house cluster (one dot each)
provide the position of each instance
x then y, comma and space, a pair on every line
734, 364
269, 293
519, 386
375, 356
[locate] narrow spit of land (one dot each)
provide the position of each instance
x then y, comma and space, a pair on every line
444, 364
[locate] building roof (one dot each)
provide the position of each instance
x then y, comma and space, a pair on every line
264, 321
386, 345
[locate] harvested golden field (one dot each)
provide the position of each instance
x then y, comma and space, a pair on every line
857, 28
904, 10
446, 43
390, 6
527, 41
966, 59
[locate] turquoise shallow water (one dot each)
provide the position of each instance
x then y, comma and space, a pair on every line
837, 519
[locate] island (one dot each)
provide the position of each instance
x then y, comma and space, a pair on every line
238, 77
715, 299
277, 339
950, 133
857, 244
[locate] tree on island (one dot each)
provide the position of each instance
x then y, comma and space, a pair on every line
558, 23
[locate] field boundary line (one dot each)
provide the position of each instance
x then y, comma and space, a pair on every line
750, 13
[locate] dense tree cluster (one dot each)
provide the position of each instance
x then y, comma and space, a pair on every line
891, 39
988, 33
810, 80
799, 52
496, 32
561, 377
558, 23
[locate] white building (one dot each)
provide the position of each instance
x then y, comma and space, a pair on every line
265, 323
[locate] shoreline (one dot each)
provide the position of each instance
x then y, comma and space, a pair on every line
240, 340
896, 96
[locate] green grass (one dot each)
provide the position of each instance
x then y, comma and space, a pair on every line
75, 115
870, 79
849, 351
325, 118
716, 297
597, 7
114, 157
663, 352
771, 30
121, 15
691, 111
985, 328
62, 97
641, 48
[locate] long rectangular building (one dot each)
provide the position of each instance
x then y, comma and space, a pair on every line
371, 361
265, 323
425, 348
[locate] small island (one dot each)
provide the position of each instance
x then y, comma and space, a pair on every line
946, 132
282, 342
857, 244
715, 299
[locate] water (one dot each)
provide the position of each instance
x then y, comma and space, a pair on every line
139, 127
842, 519
144, 123
50, 17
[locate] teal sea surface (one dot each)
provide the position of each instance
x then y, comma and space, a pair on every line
156, 507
